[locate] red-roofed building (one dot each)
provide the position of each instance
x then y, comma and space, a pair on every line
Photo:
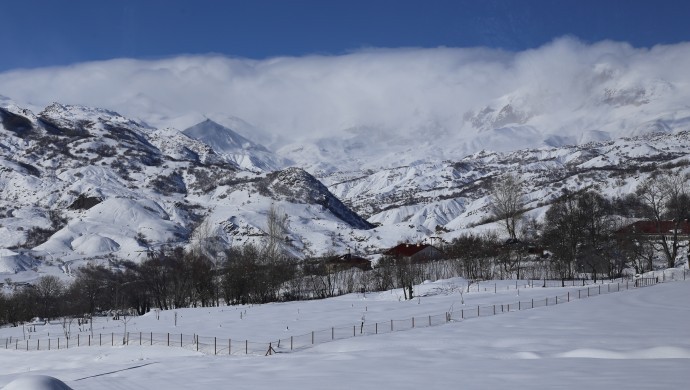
417, 253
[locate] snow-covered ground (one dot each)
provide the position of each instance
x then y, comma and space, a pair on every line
638, 338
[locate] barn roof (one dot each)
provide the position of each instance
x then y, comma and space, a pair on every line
406, 250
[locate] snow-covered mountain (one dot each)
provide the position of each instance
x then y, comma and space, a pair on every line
80, 183
448, 196
594, 100
236, 148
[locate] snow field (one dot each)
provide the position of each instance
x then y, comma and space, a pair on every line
638, 338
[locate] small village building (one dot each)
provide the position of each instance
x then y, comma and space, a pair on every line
416, 253
347, 261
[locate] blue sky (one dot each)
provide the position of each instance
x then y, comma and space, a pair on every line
36, 33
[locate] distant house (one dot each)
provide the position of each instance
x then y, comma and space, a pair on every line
654, 229
417, 253
348, 261
526, 247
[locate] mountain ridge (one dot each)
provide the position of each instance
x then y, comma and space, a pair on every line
148, 187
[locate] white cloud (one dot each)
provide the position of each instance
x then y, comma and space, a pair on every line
559, 87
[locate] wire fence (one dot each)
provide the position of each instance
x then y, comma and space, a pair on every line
492, 286
228, 346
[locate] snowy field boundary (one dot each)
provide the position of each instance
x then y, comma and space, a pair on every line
228, 346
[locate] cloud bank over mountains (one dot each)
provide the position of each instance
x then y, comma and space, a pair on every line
557, 93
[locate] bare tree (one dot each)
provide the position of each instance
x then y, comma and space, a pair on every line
563, 232
207, 242
637, 251
597, 245
507, 202
667, 198
473, 255
276, 230
403, 273
209, 245
48, 291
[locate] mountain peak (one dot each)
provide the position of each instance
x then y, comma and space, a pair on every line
222, 139
234, 147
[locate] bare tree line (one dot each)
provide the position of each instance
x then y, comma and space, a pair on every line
583, 232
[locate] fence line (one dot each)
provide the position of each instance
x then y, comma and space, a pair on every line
228, 346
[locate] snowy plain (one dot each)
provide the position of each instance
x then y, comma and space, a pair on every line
634, 339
